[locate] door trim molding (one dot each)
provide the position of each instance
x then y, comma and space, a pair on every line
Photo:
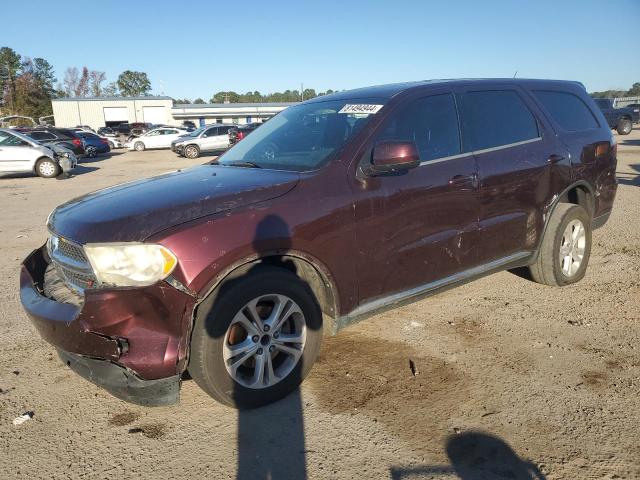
414, 294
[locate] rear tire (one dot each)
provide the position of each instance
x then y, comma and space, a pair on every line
566, 247
624, 126
192, 151
210, 364
91, 152
47, 168
138, 146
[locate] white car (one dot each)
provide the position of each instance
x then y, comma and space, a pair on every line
21, 154
156, 138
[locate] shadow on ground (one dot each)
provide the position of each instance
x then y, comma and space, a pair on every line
475, 456
630, 177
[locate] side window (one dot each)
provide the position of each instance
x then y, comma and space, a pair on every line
568, 110
153, 133
431, 122
9, 140
223, 130
212, 132
494, 118
42, 136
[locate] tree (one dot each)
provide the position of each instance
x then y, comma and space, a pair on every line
95, 82
43, 73
10, 66
634, 91
133, 84
111, 90
181, 101
82, 90
199, 101
71, 80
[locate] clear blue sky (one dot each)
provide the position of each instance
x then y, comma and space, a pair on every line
195, 48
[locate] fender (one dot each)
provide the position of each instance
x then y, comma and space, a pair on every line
554, 203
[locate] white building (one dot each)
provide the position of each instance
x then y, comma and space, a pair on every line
99, 112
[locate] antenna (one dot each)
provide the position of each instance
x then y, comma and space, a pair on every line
514, 75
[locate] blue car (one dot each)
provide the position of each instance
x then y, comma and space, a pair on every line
94, 145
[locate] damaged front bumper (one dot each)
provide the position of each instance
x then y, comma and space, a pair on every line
130, 341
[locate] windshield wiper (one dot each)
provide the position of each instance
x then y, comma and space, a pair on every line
242, 164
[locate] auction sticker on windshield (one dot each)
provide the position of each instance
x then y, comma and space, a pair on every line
360, 108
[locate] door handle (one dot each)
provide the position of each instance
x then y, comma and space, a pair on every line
553, 158
462, 180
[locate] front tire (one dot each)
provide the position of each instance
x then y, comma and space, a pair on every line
47, 168
192, 151
256, 338
566, 247
138, 146
624, 126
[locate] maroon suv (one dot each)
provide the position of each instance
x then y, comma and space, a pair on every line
334, 210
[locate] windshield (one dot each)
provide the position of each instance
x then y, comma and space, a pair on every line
303, 137
197, 132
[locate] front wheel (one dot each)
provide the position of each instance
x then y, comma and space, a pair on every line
566, 247
192, 151
47, 168
624, 126
138, 146
256, 338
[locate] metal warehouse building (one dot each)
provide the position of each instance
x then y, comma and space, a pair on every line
99, 112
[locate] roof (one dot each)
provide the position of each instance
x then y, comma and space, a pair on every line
390, 90
102, 99
234, 105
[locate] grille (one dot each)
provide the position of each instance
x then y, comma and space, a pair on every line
71, 264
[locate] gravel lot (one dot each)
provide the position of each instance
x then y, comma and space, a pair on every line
514, 379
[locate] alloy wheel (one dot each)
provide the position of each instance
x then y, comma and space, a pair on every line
264, 341
572, 248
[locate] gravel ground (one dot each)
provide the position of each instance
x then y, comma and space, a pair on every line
513, 379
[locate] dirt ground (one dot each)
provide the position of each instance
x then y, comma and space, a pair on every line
514, 379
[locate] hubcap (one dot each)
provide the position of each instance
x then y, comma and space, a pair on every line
572, 248
47, 168
265, 341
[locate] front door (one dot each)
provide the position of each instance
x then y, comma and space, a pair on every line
16, 155
417, 227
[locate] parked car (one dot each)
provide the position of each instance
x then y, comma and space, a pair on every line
93, 144
157, 138
336, 209
189, 125
56, 136
209, 138
620, 119
123, 129
636, 111
86, 128
107, 132
238, 133
21, 154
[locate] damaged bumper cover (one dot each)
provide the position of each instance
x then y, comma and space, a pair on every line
130, 341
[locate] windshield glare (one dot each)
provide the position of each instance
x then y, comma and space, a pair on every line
197, 132
303, 137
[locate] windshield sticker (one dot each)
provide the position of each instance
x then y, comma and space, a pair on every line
360, 108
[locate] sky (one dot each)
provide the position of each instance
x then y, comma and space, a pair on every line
196, 48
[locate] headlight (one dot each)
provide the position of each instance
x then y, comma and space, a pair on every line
132, 264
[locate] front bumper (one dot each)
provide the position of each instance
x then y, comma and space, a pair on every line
67, 163
177, 148
140, 331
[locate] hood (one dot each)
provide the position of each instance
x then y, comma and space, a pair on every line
133, 211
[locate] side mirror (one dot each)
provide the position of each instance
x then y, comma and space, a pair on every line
391, 157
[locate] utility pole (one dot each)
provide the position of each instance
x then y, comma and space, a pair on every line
301, 92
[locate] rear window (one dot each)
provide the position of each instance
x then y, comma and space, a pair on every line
495, 118
568, 110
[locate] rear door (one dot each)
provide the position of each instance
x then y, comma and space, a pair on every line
518, 156
209, 140
418, 227
223, 136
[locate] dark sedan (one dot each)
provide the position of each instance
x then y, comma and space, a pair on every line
93, 144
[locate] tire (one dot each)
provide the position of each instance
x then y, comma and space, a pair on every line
549, 268
91, 151
47, 168
138, 146
210, 365
624, 126
111, 145
192, 151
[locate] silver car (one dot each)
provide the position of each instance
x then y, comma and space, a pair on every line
21, 154
209, 138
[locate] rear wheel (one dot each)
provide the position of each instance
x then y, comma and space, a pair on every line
624, 126
256, 338
192, 151
47, 168
91, 151
566, 247
138, 146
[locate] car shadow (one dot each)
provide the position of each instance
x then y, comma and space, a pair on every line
475, 456
630, 141
270, 439
629, 177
